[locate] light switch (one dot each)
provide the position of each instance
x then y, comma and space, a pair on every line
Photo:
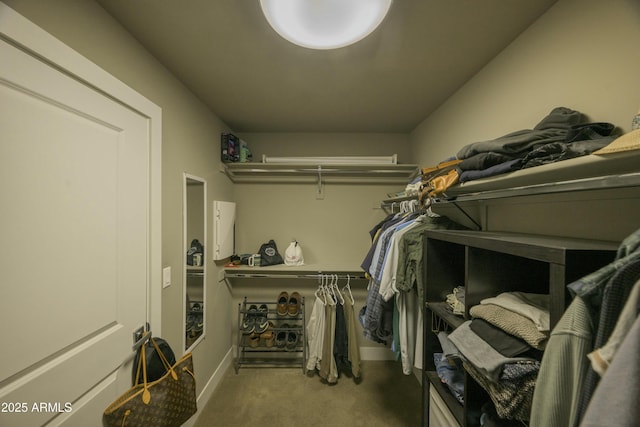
166, 277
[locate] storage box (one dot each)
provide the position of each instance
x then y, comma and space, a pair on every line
230, 148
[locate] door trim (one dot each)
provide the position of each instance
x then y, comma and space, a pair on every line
22, 33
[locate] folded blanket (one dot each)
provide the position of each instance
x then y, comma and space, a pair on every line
512, 323
532, 306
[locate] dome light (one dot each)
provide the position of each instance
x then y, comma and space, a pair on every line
324, 24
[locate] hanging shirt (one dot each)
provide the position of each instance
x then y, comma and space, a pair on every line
315, 334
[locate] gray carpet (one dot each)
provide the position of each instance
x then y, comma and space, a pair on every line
286, 397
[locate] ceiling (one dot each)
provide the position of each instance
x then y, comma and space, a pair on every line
225, 52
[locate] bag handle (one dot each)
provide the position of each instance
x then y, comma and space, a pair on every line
165, 362
146, 395
142, 363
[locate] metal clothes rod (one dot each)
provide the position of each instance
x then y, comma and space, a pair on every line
324, 169
316, 276
195, 273
332, 160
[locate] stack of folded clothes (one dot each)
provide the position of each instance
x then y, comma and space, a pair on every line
501, 348
449, 367
561, 135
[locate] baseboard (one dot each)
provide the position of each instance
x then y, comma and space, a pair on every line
211, 385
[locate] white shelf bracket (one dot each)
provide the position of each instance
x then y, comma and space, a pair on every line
320, 191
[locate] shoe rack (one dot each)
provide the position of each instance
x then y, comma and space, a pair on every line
272, 333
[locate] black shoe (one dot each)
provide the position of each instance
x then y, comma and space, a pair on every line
249, 322
281, 336
261, 322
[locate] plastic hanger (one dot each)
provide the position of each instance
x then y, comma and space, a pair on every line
428, 210
319, 293
337, 292
347, 289
329, 290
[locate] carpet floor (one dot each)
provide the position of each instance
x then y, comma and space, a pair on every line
285, 397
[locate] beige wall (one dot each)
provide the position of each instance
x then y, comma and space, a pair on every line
581, 54
333, 231
190, 143
329, 144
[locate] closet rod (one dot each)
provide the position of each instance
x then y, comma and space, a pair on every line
195, 273
325, 170
288, 276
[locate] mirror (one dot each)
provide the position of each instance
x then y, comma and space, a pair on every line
194, 216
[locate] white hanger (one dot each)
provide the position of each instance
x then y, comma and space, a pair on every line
337, 292
329, 290
347, 288
320, 291
429, 212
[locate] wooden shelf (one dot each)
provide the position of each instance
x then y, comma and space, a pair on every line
542, 248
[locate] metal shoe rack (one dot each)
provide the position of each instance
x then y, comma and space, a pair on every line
248, 353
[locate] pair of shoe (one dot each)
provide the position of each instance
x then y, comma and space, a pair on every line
287, 337
289, 304
255, 319
268, 337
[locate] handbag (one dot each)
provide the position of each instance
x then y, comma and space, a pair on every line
166, 402
269, 254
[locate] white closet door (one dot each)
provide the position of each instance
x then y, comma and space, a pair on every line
75, 180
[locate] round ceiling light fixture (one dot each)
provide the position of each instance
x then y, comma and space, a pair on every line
324, 24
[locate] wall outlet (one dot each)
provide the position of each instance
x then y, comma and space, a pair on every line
166, 277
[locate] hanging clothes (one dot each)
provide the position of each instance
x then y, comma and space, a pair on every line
615, 400
328, 368
341, 340
332, 338
409, 314
315, 331
394, 261
563, 370
614, 296
378, 319
602, 356
352, 334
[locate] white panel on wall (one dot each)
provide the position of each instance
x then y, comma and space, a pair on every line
224, 218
